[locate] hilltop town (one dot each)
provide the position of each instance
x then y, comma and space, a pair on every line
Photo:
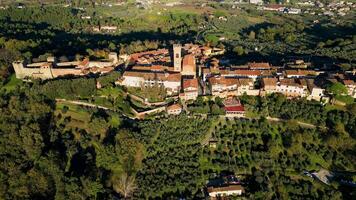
177, 99
187, 71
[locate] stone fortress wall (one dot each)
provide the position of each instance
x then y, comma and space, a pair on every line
52, 69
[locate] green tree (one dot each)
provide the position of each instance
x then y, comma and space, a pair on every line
239, 50
336, 89
252, 35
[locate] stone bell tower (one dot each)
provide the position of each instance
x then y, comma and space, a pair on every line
177, 57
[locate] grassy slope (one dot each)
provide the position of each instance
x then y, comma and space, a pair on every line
11, 83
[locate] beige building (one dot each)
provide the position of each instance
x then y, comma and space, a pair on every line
269, 85
351, 87
224, 191
246, 85
174, 109
293, 87
190, 89
315, 92
223, 87
170, 81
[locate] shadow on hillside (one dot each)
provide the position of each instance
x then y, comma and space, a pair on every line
69, 43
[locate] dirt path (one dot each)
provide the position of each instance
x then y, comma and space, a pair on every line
84, 104
303, 124
209, 133
137, 115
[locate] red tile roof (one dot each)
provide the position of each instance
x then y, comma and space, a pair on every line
349, 82
245, 81
190, 83
269, 81
223, 81
188, 60
174, 107
300, 72
239, 108
157, 68
242, 72
261, 65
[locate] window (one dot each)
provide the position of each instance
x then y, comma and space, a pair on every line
177, 55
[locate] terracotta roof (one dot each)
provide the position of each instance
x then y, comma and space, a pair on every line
175, 77
135, 56
241, 72
245, 81
223, 81
188, 60
157, 68
349, 82
261, 65
174, 107
269, 81
239, 108
291, 82
190, 83
300, 72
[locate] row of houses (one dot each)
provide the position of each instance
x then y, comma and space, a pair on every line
291, 84
190, 73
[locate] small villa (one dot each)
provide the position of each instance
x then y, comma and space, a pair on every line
174, 109
233, 107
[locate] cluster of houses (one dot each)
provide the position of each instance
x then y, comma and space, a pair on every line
176, 70
340, 8
188, 71
191, 70
281, 8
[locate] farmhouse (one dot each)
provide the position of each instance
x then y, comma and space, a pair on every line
174, 109
233, 107
218, 192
